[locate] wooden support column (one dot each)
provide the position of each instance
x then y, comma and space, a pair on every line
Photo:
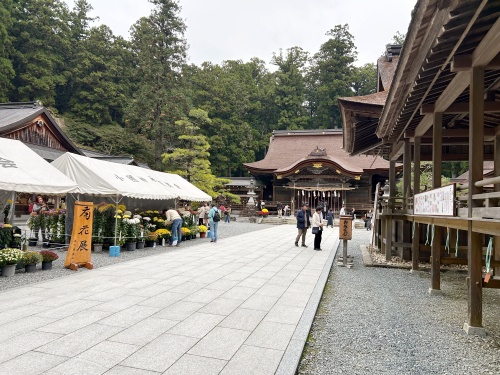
406, 172
476, 132
405, 233
496, 170
389, 222
415, 253
437, 151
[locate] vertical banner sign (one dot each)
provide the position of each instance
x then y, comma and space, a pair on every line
345, 229
81, 237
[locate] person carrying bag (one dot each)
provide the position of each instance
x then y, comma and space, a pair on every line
317, 228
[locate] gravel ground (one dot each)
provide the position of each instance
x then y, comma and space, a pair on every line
363, 327
103, 259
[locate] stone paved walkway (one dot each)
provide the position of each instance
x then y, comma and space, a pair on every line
235, 307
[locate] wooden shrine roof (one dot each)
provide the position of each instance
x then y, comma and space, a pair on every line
289, 149
438, 32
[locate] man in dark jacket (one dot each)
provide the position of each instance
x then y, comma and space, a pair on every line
303, 223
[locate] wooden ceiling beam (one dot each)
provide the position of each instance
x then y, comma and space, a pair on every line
462, 63
489, 133
454, 157
461, 107
397, 151
485, 52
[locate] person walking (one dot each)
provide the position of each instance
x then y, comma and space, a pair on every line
317, 227
279, 208
369, 217
227, 219
353, 214
214, 217
201, 215
173, 217
303, 223
329, 218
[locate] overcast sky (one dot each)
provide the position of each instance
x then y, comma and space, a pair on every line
219, 30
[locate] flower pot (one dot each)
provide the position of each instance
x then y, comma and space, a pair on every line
45, 245
33, 242
30, 268
203, 234
140, 245
98, 248
8, 270
150, 243
131, 246
46, 266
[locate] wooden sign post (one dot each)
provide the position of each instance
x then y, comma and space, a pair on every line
345, 234
81, 237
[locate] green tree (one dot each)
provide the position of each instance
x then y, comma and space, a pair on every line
159, 45
331, 77
6, 69
102, 82
190, 159
40, 39
239, 98
290, 88
364, 79
398, 38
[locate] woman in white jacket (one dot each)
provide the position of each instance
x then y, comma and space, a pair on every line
317, 222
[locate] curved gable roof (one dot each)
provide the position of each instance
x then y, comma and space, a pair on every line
290, 148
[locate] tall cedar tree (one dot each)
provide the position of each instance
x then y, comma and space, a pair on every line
160, 48
331, 77
40, 40
290, 88
6, 69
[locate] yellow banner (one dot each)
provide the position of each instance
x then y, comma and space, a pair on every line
81, 237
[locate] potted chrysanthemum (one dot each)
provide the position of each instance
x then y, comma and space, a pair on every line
47, 258
8, 260
30, 260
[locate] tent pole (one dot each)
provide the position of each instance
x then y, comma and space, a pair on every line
116, 214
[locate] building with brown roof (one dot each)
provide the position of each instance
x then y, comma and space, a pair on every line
311, 166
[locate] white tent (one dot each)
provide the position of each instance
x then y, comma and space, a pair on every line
24, 171
103, 178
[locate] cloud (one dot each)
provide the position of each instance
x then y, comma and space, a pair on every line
239, 30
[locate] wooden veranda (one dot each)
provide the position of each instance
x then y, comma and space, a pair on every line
444, 105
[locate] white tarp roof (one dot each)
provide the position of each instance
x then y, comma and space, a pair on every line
24, 171
104, 178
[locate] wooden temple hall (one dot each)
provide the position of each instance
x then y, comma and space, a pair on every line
443, 105
310, 166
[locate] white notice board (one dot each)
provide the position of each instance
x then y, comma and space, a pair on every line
435, 202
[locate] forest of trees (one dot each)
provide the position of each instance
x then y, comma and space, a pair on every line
140, 97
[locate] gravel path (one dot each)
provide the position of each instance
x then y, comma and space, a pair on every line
362, 327
103, 259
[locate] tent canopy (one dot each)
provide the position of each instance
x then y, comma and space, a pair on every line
24, 171
103, 178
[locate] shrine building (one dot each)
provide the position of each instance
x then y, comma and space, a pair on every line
310, 166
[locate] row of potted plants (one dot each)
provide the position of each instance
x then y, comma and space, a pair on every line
139, 230
52, 225
10, 259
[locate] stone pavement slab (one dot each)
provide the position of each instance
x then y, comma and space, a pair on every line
240, 306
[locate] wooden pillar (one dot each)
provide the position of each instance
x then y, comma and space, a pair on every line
416, 189
496, 171
475, 246
437, 150
405, 233
388, 221
406, 173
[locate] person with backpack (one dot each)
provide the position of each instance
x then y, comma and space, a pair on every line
214, 217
